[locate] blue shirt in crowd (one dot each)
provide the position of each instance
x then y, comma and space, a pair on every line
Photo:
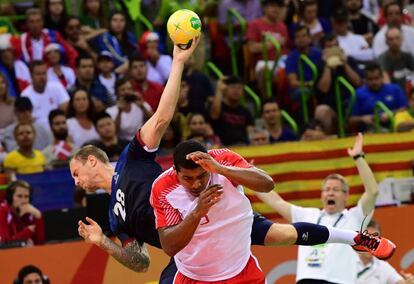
292, 62
390, 94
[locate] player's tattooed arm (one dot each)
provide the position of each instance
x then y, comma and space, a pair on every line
133, 255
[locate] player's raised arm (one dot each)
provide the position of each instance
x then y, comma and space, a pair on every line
370, 194
133, 255
154, 128
236, 169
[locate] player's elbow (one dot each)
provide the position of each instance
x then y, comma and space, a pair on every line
143, 265
268, 184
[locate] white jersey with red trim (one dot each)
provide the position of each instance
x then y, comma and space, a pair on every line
220, 247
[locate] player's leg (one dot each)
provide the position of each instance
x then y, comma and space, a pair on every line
169, 272
264, 232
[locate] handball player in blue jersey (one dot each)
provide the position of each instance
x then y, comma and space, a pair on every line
129, 184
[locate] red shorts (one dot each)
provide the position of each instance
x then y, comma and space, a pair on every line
251, 274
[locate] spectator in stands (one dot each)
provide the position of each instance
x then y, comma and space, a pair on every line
315, 130
6, 104
78, 38
249, 10
19, 219
170, 139
375, 90
259, 136
404, 120
303, 42
23, 110
55, 15
199, 127
183, 111
360, 23
85, 79
273, 124
16, 71
32, 43
130, 111
354, 45
159, 65
57, 72
393, 16
117, 40
231, 121
81, 113
397, 64
150, 91
200, 87
25, 159
59, 152
268, 24
106, 74
30, 274
335, 64
406, 16
373, 270
108, 140
44, 95
93, 14
331, 263
168, 7
308, 17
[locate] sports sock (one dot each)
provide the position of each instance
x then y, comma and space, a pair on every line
312, 234
341, 236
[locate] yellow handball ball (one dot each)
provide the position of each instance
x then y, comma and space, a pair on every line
183, 26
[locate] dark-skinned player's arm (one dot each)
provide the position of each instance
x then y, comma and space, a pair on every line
247, 176
153, 130
175, 238
133, 255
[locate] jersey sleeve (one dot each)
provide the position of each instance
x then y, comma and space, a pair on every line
227, 157
138, 149
165, 214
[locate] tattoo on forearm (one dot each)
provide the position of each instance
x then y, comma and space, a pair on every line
132, 255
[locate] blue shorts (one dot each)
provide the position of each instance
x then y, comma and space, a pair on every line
261, 226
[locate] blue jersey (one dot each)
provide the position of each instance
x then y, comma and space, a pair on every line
130, 213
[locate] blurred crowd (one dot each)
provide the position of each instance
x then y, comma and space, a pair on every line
92, 72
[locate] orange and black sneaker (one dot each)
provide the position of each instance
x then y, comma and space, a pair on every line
379, 247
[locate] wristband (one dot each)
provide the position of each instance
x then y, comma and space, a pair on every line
360, 155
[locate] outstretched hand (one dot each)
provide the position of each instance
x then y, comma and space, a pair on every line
205, 161
183, 55
357, 148
92, 233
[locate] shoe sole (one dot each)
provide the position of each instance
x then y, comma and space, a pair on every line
381, 258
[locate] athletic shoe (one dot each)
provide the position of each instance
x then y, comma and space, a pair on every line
379, 247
